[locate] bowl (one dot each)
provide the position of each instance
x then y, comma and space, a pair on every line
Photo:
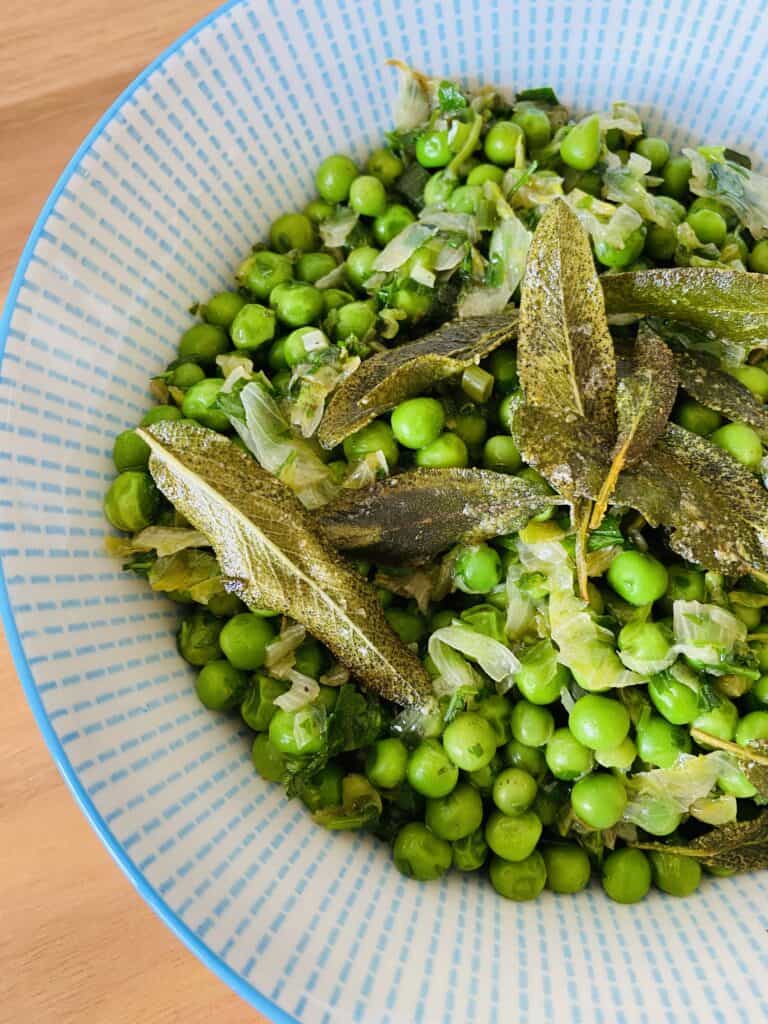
172, 186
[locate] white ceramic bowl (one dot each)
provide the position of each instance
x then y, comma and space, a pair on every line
176, 181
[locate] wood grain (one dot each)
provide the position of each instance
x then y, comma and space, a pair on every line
77, 944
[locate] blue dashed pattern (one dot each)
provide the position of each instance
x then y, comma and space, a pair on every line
176, 182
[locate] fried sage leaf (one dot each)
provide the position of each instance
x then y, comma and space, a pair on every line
644, 400
738, 846
410, 518
729, 303
566, 360
713, 387
389, 377
272, 556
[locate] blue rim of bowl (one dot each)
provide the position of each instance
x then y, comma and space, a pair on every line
203, 952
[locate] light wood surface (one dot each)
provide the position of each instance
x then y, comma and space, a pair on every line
77, 944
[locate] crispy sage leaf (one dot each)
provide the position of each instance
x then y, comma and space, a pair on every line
272, 557
738, 846
713, 387
644, 400
729, 303
410, 518
566, 360
388, 377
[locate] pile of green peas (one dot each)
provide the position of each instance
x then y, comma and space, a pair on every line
487, 787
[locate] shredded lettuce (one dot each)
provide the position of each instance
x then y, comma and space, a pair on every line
740, 189
455, 672
229, 362
189, 571
314, 381
335, 230
413, 105
165, 540
707, 633
628, 183
659, 796
280, 654
303, 691
400, 249
603, 221
494, 658
623, 117
715, 810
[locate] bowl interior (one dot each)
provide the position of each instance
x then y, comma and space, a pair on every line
169, 191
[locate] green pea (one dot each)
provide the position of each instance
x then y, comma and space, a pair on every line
709, 226
676, 175
685, 584
470, 427
626, 876
200, 404
223, 605
386, 763
477, 569
660, 743
159, 413
512, 837
742, 442
298, 733
261, 272
292, 231
758, 258
414, 300
654, 149
311, 658
295, 351
220, 685
535, 126
430, 770
566, 757
253, 326
674, 210
408, 625
581, 146
324, 788
391, 222
674, 874
334, 177
485, 172
202, 343
311, 266
130, 451
759, 691
501, 454
660, 242
445, 452
359, 264
333, 298
621, 756
619, 258
470, 741
465, 199
385, 165
318, 210
752, 727
754, 378
719, 721
673, 700
637, 577
355, 320
367, 196
439, 189
600, 723
222, 308
529, 759
258, 708
697, 418
599, 800
198, 638
299, 304
377, 436
502, 141
514, 791
132, 501
417, 422
751, 617
244, 640
540, 678
186, 374
647, 641
713, 206
503, 366
520, 881
531, 724
496, 709
267, 759
419, 854
568, 868
456, 815
276, 358
433, 149
470, 852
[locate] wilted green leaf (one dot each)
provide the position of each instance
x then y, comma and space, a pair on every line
389, 377
730, 303
644, 400
410, 518
165, 540
715, 388
272, 557
753, 758
566, 358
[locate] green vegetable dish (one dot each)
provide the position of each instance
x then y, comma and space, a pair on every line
462, 492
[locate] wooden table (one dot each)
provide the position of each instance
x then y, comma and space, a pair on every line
77, 944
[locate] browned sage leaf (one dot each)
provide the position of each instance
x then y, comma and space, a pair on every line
713, 387
738, 846
565, 356
644, 400
272, 556
389, 377
410, 518
565, 450
729, 303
